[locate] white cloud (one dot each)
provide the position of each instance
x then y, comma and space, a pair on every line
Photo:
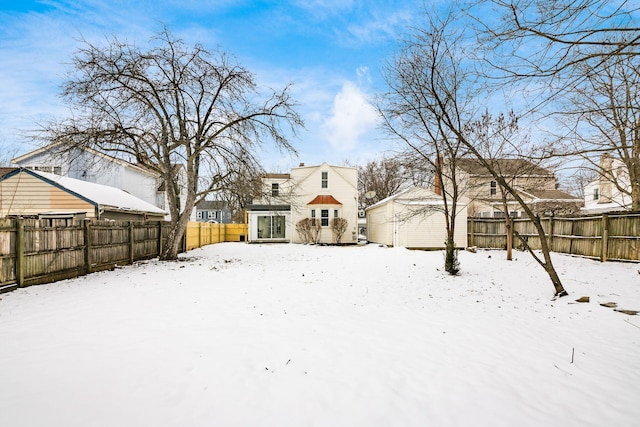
352, 117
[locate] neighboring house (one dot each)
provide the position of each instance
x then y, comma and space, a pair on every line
414, 218
93, 166
321, 192
604, 194
536, 185
28, 193
216, 210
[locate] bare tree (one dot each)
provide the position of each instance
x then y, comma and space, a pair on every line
606, 113
309, 230
546, 38
408, 110
173, 104
379, 179
586, 52
448, 98
339, 226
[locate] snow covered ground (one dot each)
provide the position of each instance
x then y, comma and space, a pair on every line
296, 335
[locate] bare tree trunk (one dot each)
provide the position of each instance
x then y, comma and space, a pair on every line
547, 264
507, 225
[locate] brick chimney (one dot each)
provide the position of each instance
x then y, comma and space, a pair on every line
437, 182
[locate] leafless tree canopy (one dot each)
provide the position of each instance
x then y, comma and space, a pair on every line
173, 104
579, 62
380, 179
543, 38
435, 91
424, 104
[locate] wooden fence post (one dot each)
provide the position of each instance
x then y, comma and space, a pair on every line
87, 245
20, 252
131, 243
605, 237
159, 237
472, 235
199, 234
550, 233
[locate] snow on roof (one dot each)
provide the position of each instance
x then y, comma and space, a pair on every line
103, 195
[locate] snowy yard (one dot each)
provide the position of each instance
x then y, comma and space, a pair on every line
294, 335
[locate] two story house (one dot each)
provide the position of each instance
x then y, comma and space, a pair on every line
537, 186
93, 166
322, 192
611, 191
213, 211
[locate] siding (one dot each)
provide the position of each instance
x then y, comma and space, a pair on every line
418, 226
35, 196
343, 183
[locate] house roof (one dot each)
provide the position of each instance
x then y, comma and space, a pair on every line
276, 175
211, 205
552, 195
105, 197
4, 171
324, 200
52, 148
412, 195
506, 167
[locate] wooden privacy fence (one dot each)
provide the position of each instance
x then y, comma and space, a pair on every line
41, 251
204, 233
605, 236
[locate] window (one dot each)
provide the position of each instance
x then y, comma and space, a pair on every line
335, 213
313, 213
324, 217
199, 215
596, 194
57, 170
325, 180
275, 190
493, 188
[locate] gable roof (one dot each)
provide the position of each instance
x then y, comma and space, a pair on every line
52, 148
307, 171
508, 167
421, 195
555, 195
276, 175
324, 200
96, 194
211, 205
4, 171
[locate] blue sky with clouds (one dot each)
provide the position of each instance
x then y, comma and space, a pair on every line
331, 50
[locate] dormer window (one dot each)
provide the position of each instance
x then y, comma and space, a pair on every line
325, 180
275, 190
596, 194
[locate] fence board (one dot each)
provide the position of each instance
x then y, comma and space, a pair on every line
607, 236
52, 250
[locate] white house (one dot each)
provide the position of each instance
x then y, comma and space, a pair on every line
604, 194
320, 192
93, 166
414, 218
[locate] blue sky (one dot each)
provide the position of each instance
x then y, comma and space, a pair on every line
331, 50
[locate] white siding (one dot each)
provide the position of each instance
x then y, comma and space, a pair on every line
414, 219
342, 185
